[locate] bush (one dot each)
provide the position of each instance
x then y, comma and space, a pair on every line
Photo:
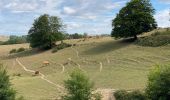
134, 95
13, 51
60, 46
154, 40
6, 92
21, 50
158, 87
121, 95
137, 95
78, 87
17, 50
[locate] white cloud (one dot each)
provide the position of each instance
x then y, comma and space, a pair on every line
69, 10
162, 18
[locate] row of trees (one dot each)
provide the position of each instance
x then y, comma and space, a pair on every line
13, 39
133, 19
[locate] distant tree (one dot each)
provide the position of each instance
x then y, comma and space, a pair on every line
76, 36
13, 39
158, 87
78, 86
134, 19
6, 92
85, 35
45, 32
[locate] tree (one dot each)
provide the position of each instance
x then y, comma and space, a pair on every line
158, 87
78, 86
134, 19
45, 32
6, 92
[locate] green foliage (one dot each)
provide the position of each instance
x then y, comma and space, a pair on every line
97, 96
15, 40
158, 87
78, 86
17, 50
21, 50
134, 95
76, 36
121, 95
134, 19
155, 40
6, 92
12, 51
45, 32
60, 46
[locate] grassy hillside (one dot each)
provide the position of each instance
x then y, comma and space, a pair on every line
109, 63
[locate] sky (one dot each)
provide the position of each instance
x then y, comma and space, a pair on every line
80, 16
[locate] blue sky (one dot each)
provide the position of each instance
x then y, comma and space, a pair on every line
90, 16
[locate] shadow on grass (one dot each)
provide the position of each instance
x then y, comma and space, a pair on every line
26, 53
108, 46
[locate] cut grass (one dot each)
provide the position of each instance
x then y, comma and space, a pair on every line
128, 67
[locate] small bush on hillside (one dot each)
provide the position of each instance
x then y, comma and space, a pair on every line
60, 46
6, 92
121, 95
78, 87
158, 87
155, 40
21, 49
17, 50
133, 95
12, 51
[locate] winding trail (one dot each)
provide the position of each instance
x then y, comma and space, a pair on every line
77, 53
63, 68
42, 76
101, 66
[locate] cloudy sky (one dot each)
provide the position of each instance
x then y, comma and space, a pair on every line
91, 16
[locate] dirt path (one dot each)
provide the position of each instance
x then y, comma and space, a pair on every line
101, 66
63, 68
42, 76
77, 53
107, 94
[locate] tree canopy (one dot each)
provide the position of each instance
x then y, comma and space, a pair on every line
134, 19
45, 32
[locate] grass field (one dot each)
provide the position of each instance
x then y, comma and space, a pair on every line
109, 63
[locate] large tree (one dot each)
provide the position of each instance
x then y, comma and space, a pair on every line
134, 19
45, 32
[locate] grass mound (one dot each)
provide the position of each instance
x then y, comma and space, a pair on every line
155, 40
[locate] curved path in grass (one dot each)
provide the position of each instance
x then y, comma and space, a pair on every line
42, 76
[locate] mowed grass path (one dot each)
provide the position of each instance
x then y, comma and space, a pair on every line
125, 66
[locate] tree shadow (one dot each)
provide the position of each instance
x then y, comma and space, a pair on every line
108, 46
26, 53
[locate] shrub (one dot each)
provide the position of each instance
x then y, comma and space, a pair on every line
21, 49
158, 87
97, 96
154, 40
6, 92
133, 95
60, 46
78, 87
13, 51
121, 95
137, 95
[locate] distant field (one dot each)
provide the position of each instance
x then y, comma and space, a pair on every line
109, 63
4, 38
